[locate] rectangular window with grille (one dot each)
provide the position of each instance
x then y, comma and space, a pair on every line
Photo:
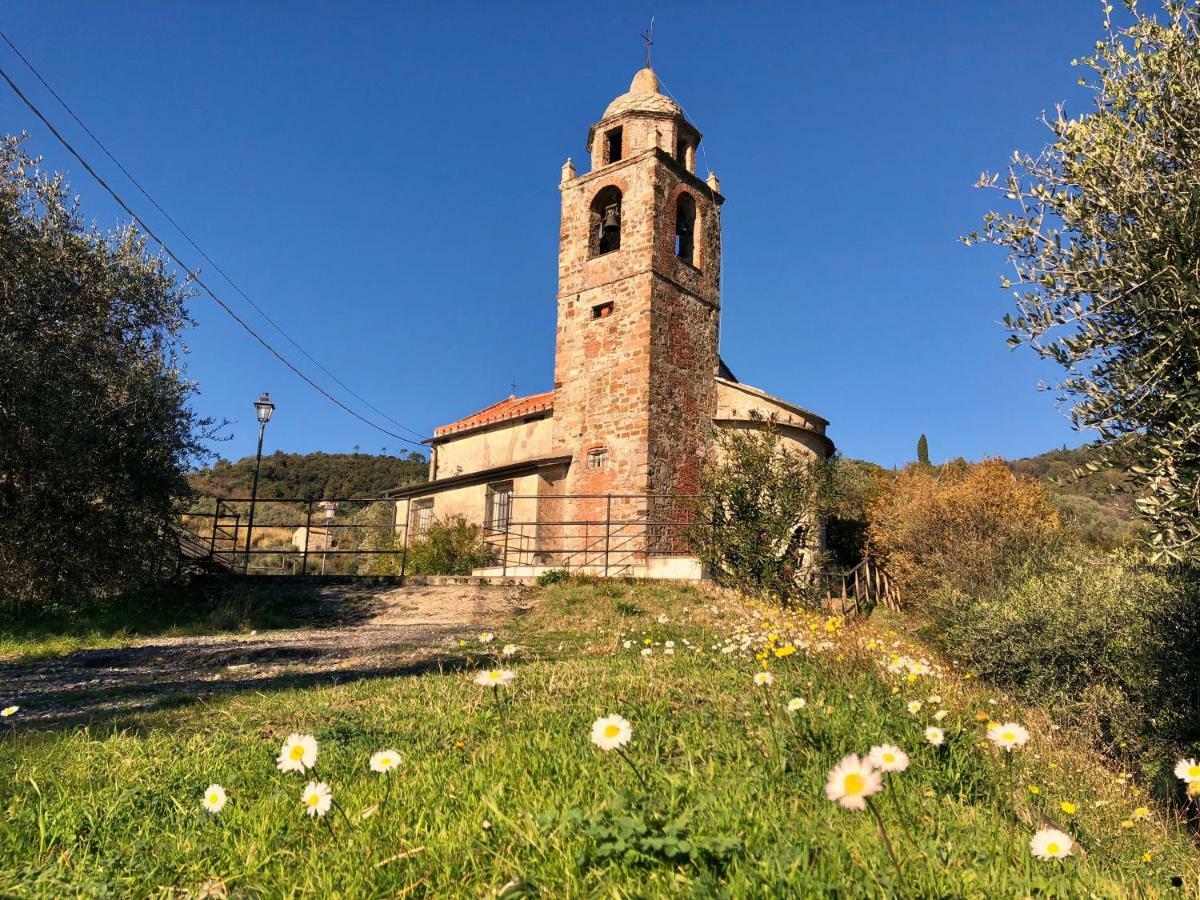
598, 458
422, 516
498, 514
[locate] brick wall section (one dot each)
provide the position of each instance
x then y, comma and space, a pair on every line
638, 382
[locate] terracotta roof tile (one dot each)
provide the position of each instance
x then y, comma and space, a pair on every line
508, 408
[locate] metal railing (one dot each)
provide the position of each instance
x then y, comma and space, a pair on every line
604, 534
609, 535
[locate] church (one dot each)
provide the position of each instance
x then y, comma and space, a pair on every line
590, 475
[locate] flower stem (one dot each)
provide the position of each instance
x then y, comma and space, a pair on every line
629, 762
887, 844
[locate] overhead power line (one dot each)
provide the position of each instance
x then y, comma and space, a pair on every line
191, 274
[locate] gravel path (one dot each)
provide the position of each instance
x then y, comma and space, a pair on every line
374, 631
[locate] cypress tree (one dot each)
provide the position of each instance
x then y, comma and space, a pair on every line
922, 450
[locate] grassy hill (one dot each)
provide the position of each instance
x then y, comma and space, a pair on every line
316, 475
501, 793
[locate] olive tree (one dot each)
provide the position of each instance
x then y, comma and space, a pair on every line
96, 434
1102, 229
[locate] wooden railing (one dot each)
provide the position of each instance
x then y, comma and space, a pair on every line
859, 589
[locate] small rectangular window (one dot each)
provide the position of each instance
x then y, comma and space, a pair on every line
598, 458
498, 510
602, 310
612, 145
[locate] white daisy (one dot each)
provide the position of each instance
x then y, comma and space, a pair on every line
384, 761
1187, 770
851, 781
763, 679
9, 711
1008, 736
317, 798
214, 798
509, 649
939, 715
1050, 843
914, 706
888, 758
299, 753
796, 704
935, 735
495, 677
486, 638
611, 732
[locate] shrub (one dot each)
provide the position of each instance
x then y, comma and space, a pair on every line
553, 576
759, 512
963, 526
450, 546
1107, 643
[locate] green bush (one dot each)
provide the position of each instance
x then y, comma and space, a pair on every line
1107, 643
553, 576
450, 546
758, 514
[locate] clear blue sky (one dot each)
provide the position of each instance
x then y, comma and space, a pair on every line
383, 179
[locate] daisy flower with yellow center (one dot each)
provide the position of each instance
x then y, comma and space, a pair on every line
762, 679
214, 799
495, 677
316, 798
1188, 770
299, 753
1008, 736
9, 711
384, 761
935, 735
887, 758
914, 706
611, 732
796, 704
486, 638
851, 782
1050, 843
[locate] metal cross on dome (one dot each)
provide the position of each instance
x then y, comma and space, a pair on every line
648, 40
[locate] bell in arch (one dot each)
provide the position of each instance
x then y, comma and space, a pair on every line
612, 218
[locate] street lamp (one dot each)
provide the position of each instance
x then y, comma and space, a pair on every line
263, 408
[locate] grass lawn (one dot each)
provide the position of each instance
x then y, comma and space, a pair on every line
501, 792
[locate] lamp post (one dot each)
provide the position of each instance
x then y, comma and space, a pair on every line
263, 407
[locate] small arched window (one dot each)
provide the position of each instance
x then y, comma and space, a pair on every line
685, 229
606, 221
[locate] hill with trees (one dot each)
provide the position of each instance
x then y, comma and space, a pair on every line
1099, 504
315, 475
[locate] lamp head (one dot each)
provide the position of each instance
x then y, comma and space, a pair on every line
263, 408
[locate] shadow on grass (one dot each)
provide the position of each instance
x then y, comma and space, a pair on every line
206, 606
116, 688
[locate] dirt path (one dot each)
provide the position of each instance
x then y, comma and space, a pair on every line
370, 632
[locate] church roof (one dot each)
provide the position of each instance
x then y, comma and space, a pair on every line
511, 407
643, 96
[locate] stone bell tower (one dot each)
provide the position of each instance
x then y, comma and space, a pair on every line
639, 275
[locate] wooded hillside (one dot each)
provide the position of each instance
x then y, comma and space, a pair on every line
316, 475
1100, 504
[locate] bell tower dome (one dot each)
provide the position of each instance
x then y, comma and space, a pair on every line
638, 302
